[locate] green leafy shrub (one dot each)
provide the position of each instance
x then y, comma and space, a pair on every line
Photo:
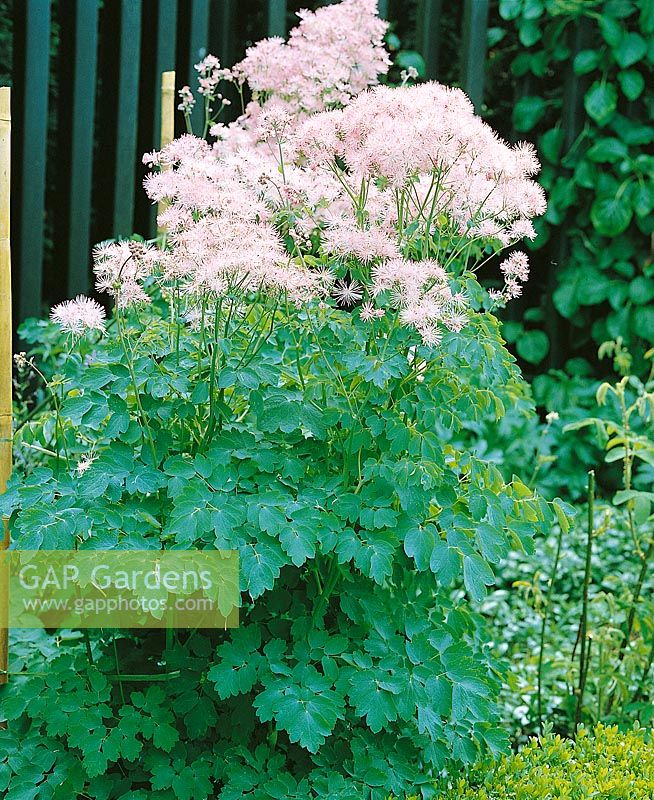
606, 764
346, 561
278, 378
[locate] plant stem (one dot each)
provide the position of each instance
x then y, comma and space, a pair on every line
117, 662
584, 650
543, 628
643, 680
147, 433
627, 465
600, 671
631, 619
87, 642
329, 586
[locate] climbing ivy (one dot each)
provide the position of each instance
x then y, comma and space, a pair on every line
584, 74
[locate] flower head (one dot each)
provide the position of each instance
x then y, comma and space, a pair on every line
344, 238
373, 181
85, 463
121, 268
187, 101
369, 312
516, 266
426, 142
79, 315
333, 54
347, 294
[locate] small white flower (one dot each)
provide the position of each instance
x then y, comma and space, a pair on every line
21, 361
347, 294
84, 464
79, 315
368, 312
431, 335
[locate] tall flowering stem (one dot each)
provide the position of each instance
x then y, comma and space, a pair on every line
147, 431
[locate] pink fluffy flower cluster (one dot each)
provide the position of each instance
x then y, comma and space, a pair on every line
420, 291
330, 187
423, 154
421, 175
79, 315
221, 236
331, 56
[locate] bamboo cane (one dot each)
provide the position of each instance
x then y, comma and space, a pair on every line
167, 120
167, 135
6, 434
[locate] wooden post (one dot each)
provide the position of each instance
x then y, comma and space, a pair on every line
6, 433
167, 119
167, 107
167, 135
164, 59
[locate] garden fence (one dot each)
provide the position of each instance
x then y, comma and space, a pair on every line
86, 94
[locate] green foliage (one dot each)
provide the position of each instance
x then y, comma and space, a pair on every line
367, 542
604, 763
395, 603
538, 612
595, 140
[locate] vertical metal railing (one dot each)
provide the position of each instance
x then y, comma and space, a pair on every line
429, 35
127, 115
474, 43
277, 17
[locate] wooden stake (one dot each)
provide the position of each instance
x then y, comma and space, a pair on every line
167, 135
167, 119
6, 432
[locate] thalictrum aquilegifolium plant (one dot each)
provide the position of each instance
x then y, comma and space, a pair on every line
276, 378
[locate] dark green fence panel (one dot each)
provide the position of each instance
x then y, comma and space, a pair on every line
198, 40
30, 114
572, 116
226, 43
475, 41
429, 35
107, 57
277, 17
221, 31
127, 116
162, 60
82, 111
